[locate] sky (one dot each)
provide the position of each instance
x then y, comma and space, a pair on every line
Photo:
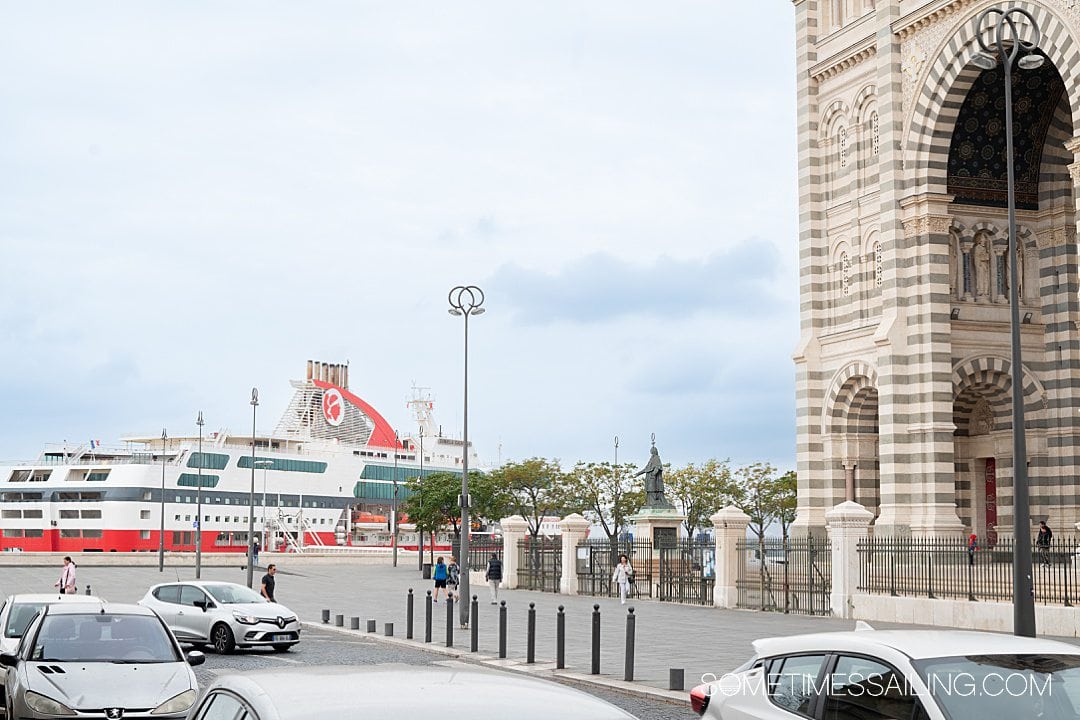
198, 197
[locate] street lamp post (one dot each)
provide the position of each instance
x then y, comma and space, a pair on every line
198, 506
251, 495
393, 514
465, 300
161, 532
265, 465
419, 532
1008, 47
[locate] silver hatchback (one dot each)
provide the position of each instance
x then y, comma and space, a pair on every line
223, 614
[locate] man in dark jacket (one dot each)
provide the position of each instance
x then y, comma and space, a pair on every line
494, 577
1042, 542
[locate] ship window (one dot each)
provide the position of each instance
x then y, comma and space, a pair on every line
146, 495
35, 532
13, 532
97, 475
192, 480
283, 464
40, 475
69, 533
91, 514
144, 534
217, 518
9, 514
19, 496
91, 533
187, 518
210, 461
144, 514
74, 496
19, 476
176, 518
32, 514
69, 514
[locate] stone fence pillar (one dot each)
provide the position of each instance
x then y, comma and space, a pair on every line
513, 531
574, 528
730, 529
847, 523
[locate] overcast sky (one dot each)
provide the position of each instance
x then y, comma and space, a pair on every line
197, 197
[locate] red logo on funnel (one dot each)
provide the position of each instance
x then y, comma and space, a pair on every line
333, 407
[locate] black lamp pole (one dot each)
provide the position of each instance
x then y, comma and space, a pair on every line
1009, 48
161, 531
198, 506
251, 496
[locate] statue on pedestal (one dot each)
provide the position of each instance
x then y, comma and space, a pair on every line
654, 481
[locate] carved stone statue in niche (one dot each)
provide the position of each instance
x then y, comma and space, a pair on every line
982, 269
982, 419
1019, 272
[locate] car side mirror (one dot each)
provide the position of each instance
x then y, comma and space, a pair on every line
195, 657
9, 659
200, 604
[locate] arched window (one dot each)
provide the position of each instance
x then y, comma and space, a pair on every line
841, 143
845, 274
875, 135
879, 266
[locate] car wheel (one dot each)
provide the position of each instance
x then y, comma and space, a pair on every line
282, 647
223, 640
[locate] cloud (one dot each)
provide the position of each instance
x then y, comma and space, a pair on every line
601, 287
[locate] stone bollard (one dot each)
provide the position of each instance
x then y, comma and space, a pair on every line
325, 616
388, 629
354, 623
339, 621
371, 625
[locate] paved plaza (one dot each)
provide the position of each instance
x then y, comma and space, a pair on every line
700, 640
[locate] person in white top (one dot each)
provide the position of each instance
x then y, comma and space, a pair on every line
622, 577
66, 583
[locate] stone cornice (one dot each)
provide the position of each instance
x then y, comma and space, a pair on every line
846, 58
911, 23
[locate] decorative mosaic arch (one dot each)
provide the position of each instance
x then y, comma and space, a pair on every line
989, 376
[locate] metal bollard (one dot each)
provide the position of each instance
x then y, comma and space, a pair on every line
449, 622
560, 639
325, 616
354, 623
409, 617
371, 625
88, 588
502, 628
339, 621
675, 679
427, 618
595, 639
388, 629
628, 663
530, 635
474, 611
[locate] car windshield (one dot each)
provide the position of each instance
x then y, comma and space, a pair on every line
19, 618
976, 687
103, 637
234, 594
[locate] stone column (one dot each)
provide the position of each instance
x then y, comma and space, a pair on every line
848, 523
513, 529
849, 481
730, 528
998, 292
968, 292
574, 528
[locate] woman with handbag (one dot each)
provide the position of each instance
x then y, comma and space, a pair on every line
66, 583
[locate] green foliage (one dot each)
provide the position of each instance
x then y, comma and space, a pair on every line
699, 491
534, 489
765, 497
434, 502
603, 493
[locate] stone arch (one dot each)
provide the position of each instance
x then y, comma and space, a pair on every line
845, 385
836, 110
993, 372
928, 130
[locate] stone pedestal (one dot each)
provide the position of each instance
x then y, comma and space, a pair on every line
513, 531
661, 527
574, 528
848, 523
729, 526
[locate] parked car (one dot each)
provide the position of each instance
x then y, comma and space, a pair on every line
316, 693
223, 614
903, 674
19, 610
113, 661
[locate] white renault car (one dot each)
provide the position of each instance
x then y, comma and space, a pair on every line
869, 674
223, 614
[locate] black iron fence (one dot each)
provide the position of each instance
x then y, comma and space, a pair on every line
596, 560
540, 563
481, 548
947, 567
687, 572
790, 576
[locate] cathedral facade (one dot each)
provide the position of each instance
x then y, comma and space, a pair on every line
903, 367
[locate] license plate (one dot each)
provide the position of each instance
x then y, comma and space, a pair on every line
281, 638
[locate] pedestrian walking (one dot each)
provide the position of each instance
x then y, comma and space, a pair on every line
66, 583
440, 577
1042, 541
973, 545
494, 577
255, 552
622, 577
268, 583
453, 577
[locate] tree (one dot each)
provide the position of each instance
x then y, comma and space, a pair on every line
603, 493
786, 500
433, 503
699, 491
533, 489
765, 497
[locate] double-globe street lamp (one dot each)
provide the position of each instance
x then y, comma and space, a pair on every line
465, 300
251, 495
265, 465
420, 499
1008, 47
198, 506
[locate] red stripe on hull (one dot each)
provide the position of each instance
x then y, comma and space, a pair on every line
132, 541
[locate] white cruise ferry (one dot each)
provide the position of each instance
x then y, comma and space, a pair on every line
325, 477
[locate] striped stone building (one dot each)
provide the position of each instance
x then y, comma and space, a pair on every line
903, 370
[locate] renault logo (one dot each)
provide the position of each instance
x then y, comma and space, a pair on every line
281, 622
114, 713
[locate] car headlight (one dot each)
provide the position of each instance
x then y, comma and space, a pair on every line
178, 704
46, 705
245, 619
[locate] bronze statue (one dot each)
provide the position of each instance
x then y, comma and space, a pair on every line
654, 481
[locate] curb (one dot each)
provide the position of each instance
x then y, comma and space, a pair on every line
519, 666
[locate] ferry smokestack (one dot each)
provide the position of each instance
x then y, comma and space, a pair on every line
309, 370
